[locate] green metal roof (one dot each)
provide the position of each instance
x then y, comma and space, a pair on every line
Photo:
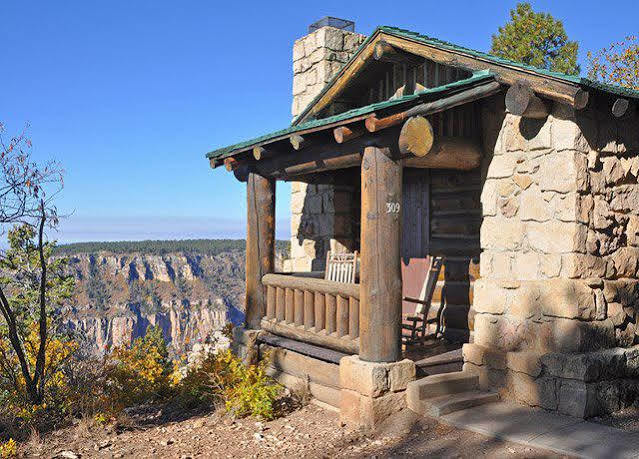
611, 88
297, 125
475, 78
403, 33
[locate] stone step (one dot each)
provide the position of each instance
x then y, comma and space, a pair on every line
446, 404
447, 362
439, 385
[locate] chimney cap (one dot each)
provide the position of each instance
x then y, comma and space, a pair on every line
329, 21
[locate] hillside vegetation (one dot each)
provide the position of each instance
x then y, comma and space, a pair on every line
210, 247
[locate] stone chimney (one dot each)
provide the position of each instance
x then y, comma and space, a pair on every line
322, 216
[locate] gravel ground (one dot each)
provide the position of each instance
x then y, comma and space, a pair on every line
626, 419
311, 431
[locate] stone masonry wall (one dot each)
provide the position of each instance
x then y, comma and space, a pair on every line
320, 214
558, 288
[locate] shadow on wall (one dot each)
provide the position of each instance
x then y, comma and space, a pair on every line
328, 213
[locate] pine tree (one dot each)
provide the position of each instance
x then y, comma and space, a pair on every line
536, 39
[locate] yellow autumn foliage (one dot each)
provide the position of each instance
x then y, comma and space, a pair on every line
141, 372
56, 402
245, 390
617, 64
8, 449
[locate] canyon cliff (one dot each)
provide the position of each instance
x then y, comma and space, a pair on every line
119, 294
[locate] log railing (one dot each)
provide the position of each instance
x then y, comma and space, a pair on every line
316, 311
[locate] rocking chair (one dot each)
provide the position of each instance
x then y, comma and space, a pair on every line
419, 321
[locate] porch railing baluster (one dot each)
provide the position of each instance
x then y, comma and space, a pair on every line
313, 310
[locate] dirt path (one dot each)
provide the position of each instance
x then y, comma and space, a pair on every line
309, 432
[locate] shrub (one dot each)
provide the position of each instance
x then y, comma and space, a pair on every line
222, 377
8, 449
140, 373
55, 404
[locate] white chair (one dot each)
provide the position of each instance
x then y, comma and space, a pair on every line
341, 267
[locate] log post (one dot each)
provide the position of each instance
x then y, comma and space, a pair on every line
260, 244
381, 283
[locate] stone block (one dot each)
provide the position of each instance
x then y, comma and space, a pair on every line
350, 407
559, 172
631, 365
508, 207
373, 411
501, 332
495, 359
613, 170
578, 265
489, 198
625, 261
400, 374
531, 391
577, 398
556, 236
582, 367
330, 37
298, 49
571, 299
297, 201
523, 134
524, 362
566, 133
473, 353
533, 207
366, 378
625, 199
502, 166
523, 181
313, 204
632, 231
501, 233
489, 297
549, 265
489, 379
494, 264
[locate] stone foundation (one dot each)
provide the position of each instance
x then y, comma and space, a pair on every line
371, 392
576, 384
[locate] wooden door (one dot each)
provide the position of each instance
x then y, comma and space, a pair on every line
415, 233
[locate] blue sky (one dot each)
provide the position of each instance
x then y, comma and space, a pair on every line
129, 95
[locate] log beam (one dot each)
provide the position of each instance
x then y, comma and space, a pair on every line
620, 107
381, 283
448, 153
385, 52
298, 142
260, 245
374, 124
231, 164
345, 133
522, 101
416, 137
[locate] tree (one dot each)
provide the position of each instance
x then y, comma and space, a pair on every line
20, 282
536, 39
617, 64
27, 287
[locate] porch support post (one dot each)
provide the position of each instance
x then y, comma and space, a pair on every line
380, 277
260, 244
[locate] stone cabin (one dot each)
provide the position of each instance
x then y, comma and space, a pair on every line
402, 147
